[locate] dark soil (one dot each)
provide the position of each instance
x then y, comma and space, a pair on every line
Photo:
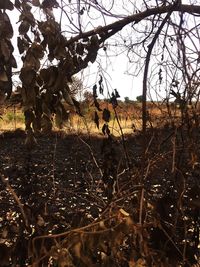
66, 182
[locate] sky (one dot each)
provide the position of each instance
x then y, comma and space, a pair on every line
115, 77
112, 68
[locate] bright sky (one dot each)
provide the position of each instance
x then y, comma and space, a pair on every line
115, 77
113, 69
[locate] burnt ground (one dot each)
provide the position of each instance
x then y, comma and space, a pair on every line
67, 181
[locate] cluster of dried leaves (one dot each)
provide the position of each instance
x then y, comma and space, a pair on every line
42, 89
105, 242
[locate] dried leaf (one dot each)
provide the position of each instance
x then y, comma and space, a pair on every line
94, 89
27, 76
77, 250
94, 42
97, 105
49, 76
37, 50
80, 48
24, 27
6, 30
50, 4
124, 213
29, 118
13, 62
36, 3
17, 4
101, 89
116, 93
113, 100
40, 221
22, 45
3, 76
6, 4
106, 115
31, 62
100, 84
5, 50
96, 119
105, 129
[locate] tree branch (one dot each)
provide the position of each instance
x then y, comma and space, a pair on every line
146, 68
111, 29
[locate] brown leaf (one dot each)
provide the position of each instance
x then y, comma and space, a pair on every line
36, 3
40, 221
49, 75
6, 4
13, 62
28, 97
77, 249
50, 4
3, 76
27, 76
37, 50
22, 45
5, 50
29, 118
6, 30
17, 4
96, 119
31, 62
106, 115
94, 90
105, 129
97, 105
24, 27
6, 86
80, 48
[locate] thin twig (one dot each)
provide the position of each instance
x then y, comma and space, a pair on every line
92, 154
54, 159
17, 200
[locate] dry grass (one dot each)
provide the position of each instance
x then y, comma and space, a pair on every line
11, 119
83, 125
14, 119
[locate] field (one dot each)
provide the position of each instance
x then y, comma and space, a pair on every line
128, 117
78, 198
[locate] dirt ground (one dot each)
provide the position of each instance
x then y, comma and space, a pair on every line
66, 181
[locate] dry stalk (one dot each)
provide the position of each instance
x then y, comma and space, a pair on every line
142, 194
53, 168
92, 154
17, 200
174, 152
